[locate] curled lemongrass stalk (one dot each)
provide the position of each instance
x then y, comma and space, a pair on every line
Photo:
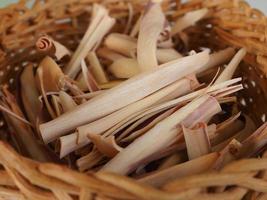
229, 71
189, 19
151, 26
66, 101
88, 78
197, 141
153, 141
100, 25
130, 91
124, 68
195, 166
51, 47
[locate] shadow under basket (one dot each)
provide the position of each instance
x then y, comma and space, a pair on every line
230, 23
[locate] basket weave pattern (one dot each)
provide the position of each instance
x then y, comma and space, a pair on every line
233, 22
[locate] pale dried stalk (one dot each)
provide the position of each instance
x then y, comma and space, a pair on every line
96, 68
197, 141
151, 25
110, 84
167, 55
195, 166
189, 19
109, 54
229, 71
88, 78
56, 105
66, 101
51, 47
153, 141
124, 68
130, 91
172, 160
136, 27
89, 95
100, 25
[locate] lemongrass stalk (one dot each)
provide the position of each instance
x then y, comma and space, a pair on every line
151, 26
89, 95
189, 19
51, 47
167, 55
109, 54
136, 27
88, 78
228, 122
172, 160
124, 68
90, 160
180, 87
195, 166
56, 105
130, 91
66, 101
30, 94
107, 146
100, 25
110, 84
153, 141
197, 141
218, 58
96, 68
229, 71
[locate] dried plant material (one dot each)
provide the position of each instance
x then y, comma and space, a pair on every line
228, 122
89, 95
124, 68
109, 54
219, 58
56, 105
197, 141
189, 19
180, 87
229, 71
172, 160
130, 91
136, 27
195, 166
153, 141
96, 68
89, 78
29, 94
90, 160
228, 154
107, 146
51, 47
100, 25
110, 84
66, 101
151, 26
167, 55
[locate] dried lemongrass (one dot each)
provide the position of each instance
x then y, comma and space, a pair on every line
110, 84
167, 55
107, 146
189, 19
96, 68
151, 26
30, 94
66, 101
172, 160
130, 91
195, 166
197, 141
109, 54
89, 95
154, 140
56, 105
100, 25
51, 47
228, 72
124, 68
88, 78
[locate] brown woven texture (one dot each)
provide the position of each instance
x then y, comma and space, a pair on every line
231, 23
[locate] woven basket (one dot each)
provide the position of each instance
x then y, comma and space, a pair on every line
231, 23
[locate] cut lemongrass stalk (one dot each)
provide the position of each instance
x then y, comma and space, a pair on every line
100, 25
124, 68
228, 154
136, 27
30, 94
89, 95
180, 87
153, 141
90, 160
228, 122
197, 141
229, 71
167, 55
196, 166
88, 78
107, 146
66, 101
96, 68
189, 19
218, 58
151, 26
109, 54
56, 105
51, 47
172, 160
110, 84
130, 91
130, 18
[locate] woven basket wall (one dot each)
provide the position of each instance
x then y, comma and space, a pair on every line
231, 23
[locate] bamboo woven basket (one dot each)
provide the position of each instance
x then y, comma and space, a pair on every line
242, 26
